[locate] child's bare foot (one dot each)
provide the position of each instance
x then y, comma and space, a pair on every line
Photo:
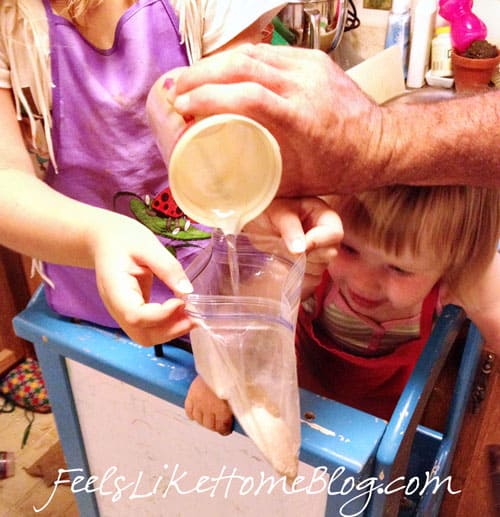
207, 409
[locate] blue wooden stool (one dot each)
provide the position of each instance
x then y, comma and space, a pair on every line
130, 449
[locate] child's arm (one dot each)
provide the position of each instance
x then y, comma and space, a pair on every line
203, 406
39, 222
484, 307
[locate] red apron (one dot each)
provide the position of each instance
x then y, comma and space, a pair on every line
372, 384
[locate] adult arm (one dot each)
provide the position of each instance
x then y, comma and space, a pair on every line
334, 138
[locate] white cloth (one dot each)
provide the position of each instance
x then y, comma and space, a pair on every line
207, 25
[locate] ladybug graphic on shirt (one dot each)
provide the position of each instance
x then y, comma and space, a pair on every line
165, 218
164, 203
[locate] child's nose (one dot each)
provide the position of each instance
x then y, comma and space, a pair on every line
368, 280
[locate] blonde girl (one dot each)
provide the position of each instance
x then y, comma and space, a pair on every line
74, 77
406, 252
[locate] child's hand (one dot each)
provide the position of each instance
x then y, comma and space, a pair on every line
306, 224
207, 409
126, 258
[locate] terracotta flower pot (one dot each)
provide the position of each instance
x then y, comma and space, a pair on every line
472, 75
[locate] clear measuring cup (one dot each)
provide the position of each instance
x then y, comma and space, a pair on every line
243, 344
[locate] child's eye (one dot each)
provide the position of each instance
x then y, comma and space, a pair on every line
399, 271
348, 249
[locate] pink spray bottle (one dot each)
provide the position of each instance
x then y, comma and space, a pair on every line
465, 26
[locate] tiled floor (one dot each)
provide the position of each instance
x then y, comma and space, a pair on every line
20, 493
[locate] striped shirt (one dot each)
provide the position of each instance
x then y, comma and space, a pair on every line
358, 334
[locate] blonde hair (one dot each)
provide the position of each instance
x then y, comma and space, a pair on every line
459, 224
78, 8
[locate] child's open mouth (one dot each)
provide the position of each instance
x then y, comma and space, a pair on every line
363, 302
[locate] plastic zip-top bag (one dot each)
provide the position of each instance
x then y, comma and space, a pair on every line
245, 302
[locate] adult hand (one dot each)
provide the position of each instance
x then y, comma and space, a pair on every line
329, 131
127, 256
166, 124
307, 225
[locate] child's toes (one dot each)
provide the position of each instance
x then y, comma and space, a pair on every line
224, 421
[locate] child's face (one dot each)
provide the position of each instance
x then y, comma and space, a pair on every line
379, 285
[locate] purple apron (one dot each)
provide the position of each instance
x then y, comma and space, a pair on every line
102, 141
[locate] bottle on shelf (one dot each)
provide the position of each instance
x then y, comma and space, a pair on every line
441, 48
398, 29
424, 22
466, 27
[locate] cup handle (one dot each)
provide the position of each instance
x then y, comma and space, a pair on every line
339, 27
313, 22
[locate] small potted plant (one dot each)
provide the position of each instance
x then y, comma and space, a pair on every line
473, 59
474, 68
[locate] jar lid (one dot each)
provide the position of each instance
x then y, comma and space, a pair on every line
444, 29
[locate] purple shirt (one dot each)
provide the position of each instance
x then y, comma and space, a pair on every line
102, 142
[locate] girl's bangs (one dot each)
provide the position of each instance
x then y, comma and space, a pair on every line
390, 222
